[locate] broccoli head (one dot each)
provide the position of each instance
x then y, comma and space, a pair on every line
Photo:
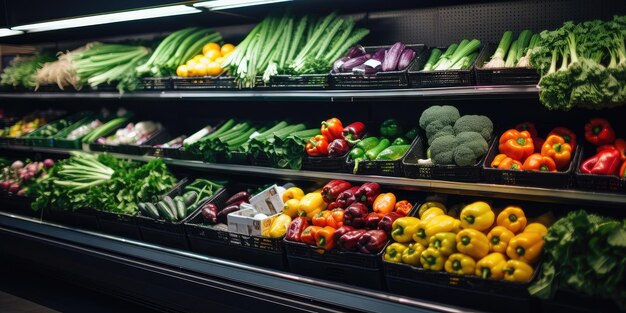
436, 129
474, 123
468, 148
442, 150
445, 114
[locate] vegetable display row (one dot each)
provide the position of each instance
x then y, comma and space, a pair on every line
590, 54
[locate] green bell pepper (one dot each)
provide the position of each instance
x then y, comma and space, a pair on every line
400, 141
391, 128
357, 153
393, 153
411, 134
367, 143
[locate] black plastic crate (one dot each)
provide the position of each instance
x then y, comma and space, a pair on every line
326, 164
76, 143
569, 301
304, 81
118, 224
160, 152
560, 179
155, 83
82, 218
607, 183
38, 141
203, 83
257, 250
428, 79
234, 157
502, 76
417, 151
460, 290
125, 148
14, 204
379, 167
392, 79
162, 232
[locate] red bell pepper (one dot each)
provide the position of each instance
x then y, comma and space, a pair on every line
317, 146
350, 240
599, 132
566, 133
333, 188
371, 220
296, 227
332, 129
372, 241
338, 147
620, 144
527, 126
605, 162
538, 142
354, 132
355, 215
387, 221
341, 231
346, 198
367, 193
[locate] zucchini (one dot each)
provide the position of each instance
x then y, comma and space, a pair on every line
152, 210
172, 206
181, 210
142, 208
164, 211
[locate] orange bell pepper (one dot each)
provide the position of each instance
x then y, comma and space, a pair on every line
319, 219
538, 162
515, 144
403, 207
335, 218
317, 146
325, 238
560, 151
503, 162
620, 144
513, 219
384, 203
308, 234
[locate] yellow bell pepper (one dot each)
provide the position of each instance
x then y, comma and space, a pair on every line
394, 251
428, 205
445, 243
432, 213
491, 266
499, 238
472, 243
442, 224
459, 263
311, 204
432, 260
526, 247
411, 255
293, 193
545, 219
403, 229
477, 215
536, 228
517, 271
279, 226
420, 235
513, 218
291, 208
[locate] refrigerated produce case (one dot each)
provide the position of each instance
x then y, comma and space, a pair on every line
108, 251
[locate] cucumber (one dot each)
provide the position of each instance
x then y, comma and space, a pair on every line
172, 206
393, 153
142, 208
190, 197
164, 211
152, 210
382, 145
181, 210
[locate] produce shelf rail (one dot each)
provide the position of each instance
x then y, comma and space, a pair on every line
194, 267
529, 91
550, 195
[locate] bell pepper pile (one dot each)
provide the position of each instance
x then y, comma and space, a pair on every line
521, 149
392, 144
346, 217
610, 157
335, 140
479, 241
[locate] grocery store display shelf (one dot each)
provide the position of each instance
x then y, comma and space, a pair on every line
269, 288
529, 91
551, 195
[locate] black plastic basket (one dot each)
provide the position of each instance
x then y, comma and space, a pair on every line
417, 151
607, 183
171, 234
304, 81
117, 224
82, 218
561, 179
428, 79
392, 79
155, 83
125, 148
502, 76
233, 157
461, 290
14, 204
75, 143
202, 83
326, 164
569, 301
160, 152
257, 250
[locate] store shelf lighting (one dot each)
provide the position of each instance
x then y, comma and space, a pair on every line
216, 5
4, 32
107, 18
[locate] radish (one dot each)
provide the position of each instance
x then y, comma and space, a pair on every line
32, 168
5, 185
17, 165
15, 187
48, 163
22, 192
